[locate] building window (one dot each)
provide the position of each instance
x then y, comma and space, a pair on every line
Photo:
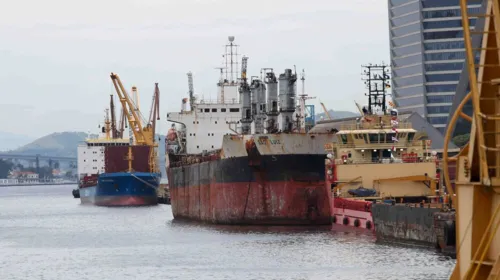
446, 24
445, 3
438, 109
437, 120
442, 77
445, 56
214, 110
441, 88
443, 35
440, 99
444, 66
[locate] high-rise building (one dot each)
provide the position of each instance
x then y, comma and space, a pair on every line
427, 55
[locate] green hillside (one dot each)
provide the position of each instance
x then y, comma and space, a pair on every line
61, 144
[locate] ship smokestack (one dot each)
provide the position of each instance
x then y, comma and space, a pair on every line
272, 101
258, 90
287, 96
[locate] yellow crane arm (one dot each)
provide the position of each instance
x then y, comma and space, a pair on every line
128, 107
326, 111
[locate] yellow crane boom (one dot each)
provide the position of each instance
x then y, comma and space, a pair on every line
327, 114
142, 135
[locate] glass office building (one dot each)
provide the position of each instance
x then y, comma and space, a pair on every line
427, 55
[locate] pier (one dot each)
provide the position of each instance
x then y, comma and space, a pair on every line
35, 182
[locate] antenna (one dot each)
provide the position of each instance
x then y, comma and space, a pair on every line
231, 61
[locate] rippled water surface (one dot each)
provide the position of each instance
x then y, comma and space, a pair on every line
46, 234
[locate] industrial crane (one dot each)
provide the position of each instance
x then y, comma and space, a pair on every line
477, 183
144, 134
327, 114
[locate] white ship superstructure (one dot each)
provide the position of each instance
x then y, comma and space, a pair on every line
260, 105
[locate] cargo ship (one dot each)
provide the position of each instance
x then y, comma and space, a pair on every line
115, 171
246, 158
383, 175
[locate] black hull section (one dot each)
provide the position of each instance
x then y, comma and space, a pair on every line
275, 190
298, 168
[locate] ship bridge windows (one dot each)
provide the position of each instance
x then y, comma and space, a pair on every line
410, 136
376, 138
343, 137
234, 110
207, 110
214, 110
223, 110
373, 137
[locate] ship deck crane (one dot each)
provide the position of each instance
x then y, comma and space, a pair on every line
144, 134
477, 182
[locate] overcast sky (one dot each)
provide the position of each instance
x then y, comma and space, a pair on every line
56, 55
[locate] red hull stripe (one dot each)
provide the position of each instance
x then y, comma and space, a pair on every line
276, 203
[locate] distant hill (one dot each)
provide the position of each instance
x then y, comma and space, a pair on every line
10, 141
62, 144
336, 115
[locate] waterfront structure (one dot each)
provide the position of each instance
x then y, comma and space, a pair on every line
427, 55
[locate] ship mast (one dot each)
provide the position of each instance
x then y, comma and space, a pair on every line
376, 79
107, 125
114, 131
302, 103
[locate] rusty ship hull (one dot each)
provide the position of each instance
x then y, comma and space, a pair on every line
254, 180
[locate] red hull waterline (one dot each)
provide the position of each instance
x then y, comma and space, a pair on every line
275, 203
120, 201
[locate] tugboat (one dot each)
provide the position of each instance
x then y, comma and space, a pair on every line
377, 158
384, 178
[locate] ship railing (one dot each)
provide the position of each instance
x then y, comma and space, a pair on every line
354, 125
378, 146
381, 161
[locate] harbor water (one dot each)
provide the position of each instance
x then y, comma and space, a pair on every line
46, 234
